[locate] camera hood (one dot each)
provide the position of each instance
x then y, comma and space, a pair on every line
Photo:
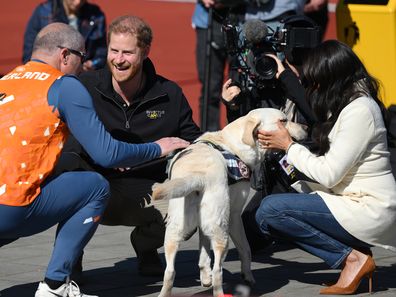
302, 34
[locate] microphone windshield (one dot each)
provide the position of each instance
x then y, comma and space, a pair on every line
255, 31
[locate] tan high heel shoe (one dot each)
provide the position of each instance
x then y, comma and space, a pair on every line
366, 270
332, 283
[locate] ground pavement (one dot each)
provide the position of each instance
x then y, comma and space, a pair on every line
110, 267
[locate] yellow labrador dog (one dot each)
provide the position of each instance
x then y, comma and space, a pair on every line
203, 198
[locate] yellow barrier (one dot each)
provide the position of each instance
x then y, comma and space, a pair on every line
369, 28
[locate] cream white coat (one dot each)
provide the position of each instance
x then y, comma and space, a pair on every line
357, 171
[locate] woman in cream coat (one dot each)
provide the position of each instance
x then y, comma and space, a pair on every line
356, 207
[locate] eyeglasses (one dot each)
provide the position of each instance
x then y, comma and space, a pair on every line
82, 55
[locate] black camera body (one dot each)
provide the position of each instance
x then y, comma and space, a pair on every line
254, 40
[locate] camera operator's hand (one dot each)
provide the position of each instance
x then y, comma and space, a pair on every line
208, 3
277, 139
230, 91
281, 67
314, 5
169, 144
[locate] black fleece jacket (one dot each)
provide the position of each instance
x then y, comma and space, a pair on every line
160, 110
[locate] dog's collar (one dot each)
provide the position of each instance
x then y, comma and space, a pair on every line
237, 170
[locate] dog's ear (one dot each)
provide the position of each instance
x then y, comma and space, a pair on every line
297, 131
248, 136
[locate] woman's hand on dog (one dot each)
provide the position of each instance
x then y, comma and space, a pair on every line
277, 139
169, 144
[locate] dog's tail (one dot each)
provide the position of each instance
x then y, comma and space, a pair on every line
178, 187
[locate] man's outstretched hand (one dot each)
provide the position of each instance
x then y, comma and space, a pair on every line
169, 144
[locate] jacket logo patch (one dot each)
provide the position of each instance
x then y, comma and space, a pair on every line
154, 114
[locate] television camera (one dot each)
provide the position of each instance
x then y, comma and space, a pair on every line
252, 41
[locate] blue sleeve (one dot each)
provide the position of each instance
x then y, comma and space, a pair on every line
77, 111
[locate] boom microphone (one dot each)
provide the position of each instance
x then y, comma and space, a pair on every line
255, 31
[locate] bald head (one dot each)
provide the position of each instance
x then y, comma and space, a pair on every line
57, 34
59, 45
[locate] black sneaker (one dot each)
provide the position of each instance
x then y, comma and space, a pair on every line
149, 264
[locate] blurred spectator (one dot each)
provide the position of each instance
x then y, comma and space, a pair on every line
318, 11
272, 11
87, 18
200, 22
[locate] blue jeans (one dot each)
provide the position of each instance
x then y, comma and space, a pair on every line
306, 220
75, 201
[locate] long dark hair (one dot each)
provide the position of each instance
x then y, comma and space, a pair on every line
333, 77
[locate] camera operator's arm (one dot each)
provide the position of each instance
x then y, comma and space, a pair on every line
293, 88
296, 93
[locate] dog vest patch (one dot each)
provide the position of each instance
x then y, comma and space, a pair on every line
236, 169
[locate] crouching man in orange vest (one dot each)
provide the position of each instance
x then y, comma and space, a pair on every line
39, 104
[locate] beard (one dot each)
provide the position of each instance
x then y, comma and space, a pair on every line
123, 73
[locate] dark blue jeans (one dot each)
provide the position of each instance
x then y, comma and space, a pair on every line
306, 220
75, 201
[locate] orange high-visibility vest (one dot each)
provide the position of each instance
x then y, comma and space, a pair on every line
31, 133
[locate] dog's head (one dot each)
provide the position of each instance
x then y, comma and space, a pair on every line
241, 134
267, 119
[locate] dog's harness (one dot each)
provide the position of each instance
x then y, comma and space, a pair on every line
237, 170
172, 161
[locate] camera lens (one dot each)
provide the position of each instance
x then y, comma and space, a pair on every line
266, 67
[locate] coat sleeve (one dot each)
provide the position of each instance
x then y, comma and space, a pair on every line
296, 93
354, 130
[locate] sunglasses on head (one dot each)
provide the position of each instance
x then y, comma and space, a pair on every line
82, 55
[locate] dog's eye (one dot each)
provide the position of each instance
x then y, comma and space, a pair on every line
283, 120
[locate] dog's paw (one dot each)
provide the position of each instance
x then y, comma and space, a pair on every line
206, 285
156, 188
206, 278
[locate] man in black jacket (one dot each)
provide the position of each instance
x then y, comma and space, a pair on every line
136, 105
